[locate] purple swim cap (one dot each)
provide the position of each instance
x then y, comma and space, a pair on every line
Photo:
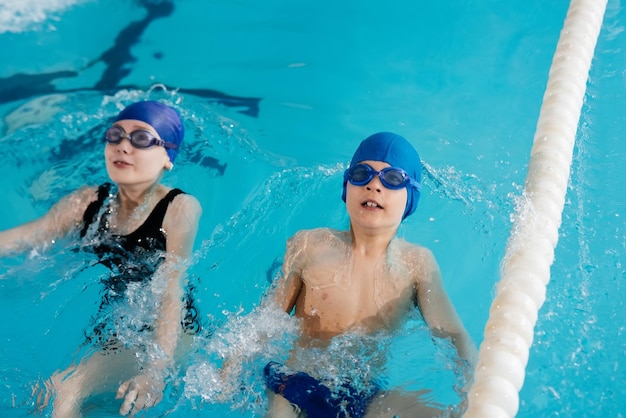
396, 151
164, 119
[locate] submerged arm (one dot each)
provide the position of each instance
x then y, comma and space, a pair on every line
438, 311
181, 225
62, 217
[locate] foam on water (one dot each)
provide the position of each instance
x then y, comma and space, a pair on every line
24, 15
226, 367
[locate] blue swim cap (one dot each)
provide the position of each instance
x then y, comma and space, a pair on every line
396, 151
164, 119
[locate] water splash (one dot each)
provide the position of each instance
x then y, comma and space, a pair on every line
23, 15
227, 367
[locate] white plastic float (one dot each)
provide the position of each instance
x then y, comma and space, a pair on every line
525, 269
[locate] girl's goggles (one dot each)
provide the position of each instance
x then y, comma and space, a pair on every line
391, 177
140, 138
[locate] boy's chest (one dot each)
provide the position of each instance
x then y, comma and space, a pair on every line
348, 293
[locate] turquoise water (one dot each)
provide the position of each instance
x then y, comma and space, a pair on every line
276, 97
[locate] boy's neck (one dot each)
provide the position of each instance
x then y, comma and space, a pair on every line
371, 242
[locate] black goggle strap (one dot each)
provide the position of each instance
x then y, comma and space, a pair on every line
165, 144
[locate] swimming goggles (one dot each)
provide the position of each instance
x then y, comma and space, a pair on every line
140, 138
391, 177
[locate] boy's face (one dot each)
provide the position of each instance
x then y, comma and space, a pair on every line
373, 205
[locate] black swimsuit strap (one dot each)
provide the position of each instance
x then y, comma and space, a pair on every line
154, 219
94, 207
154, 222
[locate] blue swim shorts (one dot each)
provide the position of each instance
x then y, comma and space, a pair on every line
315, 398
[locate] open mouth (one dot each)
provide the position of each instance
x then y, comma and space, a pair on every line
371, 204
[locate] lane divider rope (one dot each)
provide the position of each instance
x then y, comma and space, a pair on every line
525, 268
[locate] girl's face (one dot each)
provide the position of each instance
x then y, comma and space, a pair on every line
130, 166
373, 205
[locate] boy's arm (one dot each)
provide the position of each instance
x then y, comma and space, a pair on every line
438, 311
282, 296
290, 284
62, 217
287, 291
181, 225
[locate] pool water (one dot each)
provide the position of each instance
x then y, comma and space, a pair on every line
275, 98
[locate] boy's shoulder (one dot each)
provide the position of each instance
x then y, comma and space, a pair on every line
406, 246
318, 234
318, 241
408, 252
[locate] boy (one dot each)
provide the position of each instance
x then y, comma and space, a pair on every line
361, 281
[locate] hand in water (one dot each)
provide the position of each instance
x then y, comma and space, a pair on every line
139, 393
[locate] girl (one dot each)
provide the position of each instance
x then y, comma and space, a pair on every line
143, 232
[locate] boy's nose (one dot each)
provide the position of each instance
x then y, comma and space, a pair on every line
374, 184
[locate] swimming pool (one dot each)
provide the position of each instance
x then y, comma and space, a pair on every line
276, 98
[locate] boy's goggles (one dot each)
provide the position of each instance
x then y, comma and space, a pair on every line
391, 177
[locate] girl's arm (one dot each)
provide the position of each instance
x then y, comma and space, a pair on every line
181, 225
63, 217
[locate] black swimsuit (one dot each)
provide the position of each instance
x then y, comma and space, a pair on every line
132, 258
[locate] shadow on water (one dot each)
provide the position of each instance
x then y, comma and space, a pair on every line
118, 61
